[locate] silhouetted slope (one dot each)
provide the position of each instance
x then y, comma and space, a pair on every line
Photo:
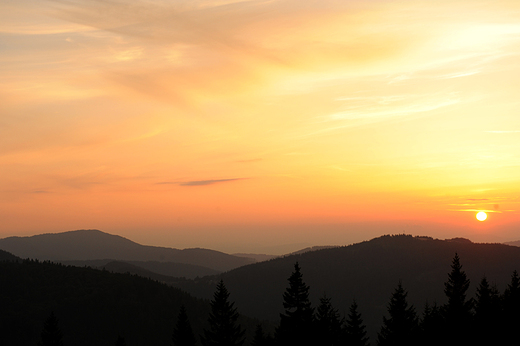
7, 256
169, 269
93, 306
256, 257
94, 244
263, 257
312, 248
369, 272
124, 267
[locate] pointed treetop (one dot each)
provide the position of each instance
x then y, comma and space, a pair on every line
224, 329
183, 333
51, 333
456, 286
355, 329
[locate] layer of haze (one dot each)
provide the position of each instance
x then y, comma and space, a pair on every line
241, 125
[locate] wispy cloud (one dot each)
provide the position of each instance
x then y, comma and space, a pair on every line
458, 75
364, 110
477, 210
506, 131
207, 182
199, 182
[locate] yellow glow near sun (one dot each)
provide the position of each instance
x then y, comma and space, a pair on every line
481, 216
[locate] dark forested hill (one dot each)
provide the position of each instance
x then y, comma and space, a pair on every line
93, 306
189, 271
94, 244
369, 272
7, 256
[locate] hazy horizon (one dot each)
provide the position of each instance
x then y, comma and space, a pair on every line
271, 248
245, 125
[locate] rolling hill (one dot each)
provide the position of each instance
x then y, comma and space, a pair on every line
93, 306
513, 243
95, 245
7, 256
167, 269
368, 272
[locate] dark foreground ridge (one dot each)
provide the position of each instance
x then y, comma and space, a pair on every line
397, 290
367, 271
93, 307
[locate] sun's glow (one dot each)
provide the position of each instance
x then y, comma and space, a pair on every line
188, 118
481, 216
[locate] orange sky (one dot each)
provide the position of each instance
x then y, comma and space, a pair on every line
241, 125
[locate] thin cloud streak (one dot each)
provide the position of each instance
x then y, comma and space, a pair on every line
507, 131
199, 182
208, 182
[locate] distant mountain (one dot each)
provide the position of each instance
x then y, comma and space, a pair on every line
255, 256
312, 248
93, 307
168, 269
127, 268
368, 272
94, 244
513, 243
263, 257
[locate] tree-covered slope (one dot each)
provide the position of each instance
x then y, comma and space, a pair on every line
368, 271
147, 268
7, 256
93, 306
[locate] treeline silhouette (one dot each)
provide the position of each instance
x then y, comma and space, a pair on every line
93, 307
490, 318
367, 271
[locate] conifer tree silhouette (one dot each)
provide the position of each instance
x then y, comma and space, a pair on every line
183, 333
328, 323
487, 314
51, 334
457, 312
511, 303
355, 333
430, 325
402, 325
223, 327
260, 338
296, 324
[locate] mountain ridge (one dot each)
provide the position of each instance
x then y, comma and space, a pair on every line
95, 244
368, 272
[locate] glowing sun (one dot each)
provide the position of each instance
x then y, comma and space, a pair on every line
481, 216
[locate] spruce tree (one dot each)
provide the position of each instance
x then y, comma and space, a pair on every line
51, 334
402, 325
183, 333
296, 324
260, 338
457, 312
223, 327
430, 325
328, 323
511, 303
487, 314
355, 333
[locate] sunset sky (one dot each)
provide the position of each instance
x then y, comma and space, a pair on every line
260, 126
